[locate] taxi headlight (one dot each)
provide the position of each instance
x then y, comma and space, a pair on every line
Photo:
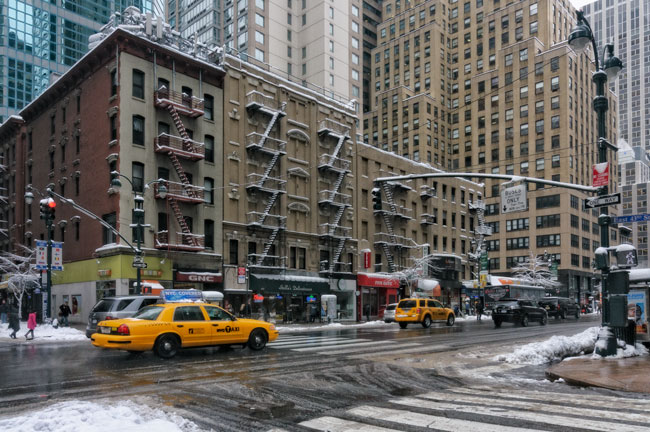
272, 327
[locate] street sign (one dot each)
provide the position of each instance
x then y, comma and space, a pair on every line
241, 275
484, 230
601, 174
631, 218
484, 261
554, 271
603, 200
138, 264
57, 256
513, 199
41, 255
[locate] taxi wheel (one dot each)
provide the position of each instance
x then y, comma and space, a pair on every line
451, 319
166, 346
427, 322
257, 339
497, 323
524, 321
544, 320
402, 325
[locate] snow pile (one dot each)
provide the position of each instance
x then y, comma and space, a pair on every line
89, 416
623, 350
556, 348
45, 332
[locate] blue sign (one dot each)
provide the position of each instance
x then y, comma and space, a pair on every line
311, 299
632, 218
181, 296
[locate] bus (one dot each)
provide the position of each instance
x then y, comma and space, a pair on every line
499, 287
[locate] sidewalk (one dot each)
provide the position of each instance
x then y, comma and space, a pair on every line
627, 374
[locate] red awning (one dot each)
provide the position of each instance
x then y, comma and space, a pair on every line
377, 280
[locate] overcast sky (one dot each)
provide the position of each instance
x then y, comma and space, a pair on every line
580, 3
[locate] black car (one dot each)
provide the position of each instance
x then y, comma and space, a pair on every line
518, 311
560, 307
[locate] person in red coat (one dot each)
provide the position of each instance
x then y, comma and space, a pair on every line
31, 325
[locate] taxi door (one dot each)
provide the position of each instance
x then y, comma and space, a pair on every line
190, 323
222, 327
438, 311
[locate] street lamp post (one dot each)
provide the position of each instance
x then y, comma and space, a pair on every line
580, 37
138, 219
47, 209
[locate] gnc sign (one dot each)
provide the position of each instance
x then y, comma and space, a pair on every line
203, 277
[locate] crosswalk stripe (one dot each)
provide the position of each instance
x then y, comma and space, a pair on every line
307, 341
389, 347
324, 347
536, 405
318, 344
502, 412
604, 401
333, 424
420, 349
430, 421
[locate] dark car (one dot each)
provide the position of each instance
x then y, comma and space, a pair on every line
560, 307
110, 308
518, 311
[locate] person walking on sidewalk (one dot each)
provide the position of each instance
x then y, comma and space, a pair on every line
31, 325
479, 310
64, 311
14, 321
4, 308
366, 311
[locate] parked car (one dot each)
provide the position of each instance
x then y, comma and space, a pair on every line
111, 308
518, 311
423, 311
165, 328
560, 307
389, 313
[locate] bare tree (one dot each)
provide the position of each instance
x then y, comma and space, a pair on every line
23, 276
536, 271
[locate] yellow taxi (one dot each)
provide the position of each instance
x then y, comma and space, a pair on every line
423, 311
165, 328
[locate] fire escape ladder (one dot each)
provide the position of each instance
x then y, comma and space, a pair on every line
338, 183
187, 142
338, 250
179, 215
389, 196
269, 168
338, 147
337, 219
267, 246
389, 257
269, 206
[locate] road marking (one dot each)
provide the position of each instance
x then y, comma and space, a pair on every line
417, 349
333, 424
323, 347
389, 349
537, 405
430, 421
503, 411
304, 342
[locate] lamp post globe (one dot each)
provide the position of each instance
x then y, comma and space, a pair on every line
580, 37
612, 64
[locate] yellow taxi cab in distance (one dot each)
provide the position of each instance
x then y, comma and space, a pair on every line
423, 311
165, 328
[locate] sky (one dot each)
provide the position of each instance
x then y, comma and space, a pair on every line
580, 3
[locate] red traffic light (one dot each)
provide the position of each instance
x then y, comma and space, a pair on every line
51, 203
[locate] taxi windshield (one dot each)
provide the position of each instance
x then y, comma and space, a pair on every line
149, 313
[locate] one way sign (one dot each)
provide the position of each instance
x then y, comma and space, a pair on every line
602, 201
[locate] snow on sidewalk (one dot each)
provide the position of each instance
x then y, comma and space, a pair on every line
45, 332
84, 416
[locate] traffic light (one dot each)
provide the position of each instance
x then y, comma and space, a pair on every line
47, 208
376, 199
138, 224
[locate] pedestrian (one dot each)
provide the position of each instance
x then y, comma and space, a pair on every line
313, 312
479, 310
245, 310
14, 321
64, 311
466, 307
4, 308
230, 309
31, 325
366, 311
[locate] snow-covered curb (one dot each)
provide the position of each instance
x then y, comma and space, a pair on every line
45, 332
560, 347
337, 325
84, 416
622, 351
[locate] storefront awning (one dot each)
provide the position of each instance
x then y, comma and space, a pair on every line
377, 280
153, 284
288, 283
428, 287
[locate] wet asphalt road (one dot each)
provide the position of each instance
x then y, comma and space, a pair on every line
300, 377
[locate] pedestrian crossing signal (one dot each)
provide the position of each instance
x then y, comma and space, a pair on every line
376, 199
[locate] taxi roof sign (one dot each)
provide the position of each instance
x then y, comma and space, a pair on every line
181, 296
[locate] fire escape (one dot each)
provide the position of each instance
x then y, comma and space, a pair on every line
178, 147
266, 184
481, 231
394, 216
335, 169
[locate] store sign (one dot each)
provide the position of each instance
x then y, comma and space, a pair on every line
203, 277
311, 299
241, 275
366, 259
104, 273
377, 281
257, 298
601, 174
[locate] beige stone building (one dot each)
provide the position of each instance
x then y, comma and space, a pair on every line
491, 87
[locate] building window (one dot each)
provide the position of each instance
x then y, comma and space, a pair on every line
208, 107
259, 20
138, 130
208, 186
209, 148
233, 252
114, 82
137, 176
108, 236
138, 84
208, 231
